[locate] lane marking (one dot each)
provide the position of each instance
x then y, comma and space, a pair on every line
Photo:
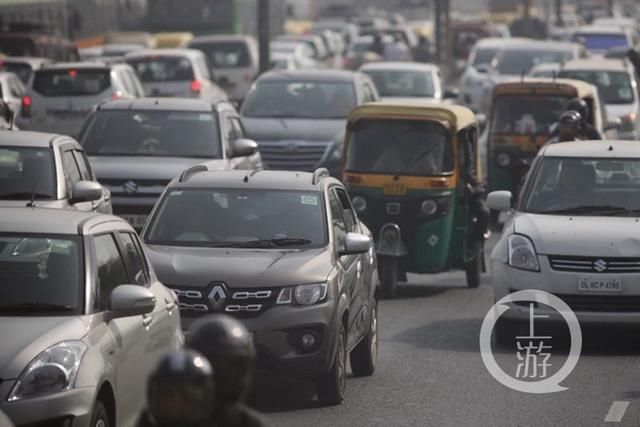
616, 412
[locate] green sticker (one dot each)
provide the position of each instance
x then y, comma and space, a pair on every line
309, 200
176, 193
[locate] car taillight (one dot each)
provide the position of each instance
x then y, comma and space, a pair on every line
196, 86
116, 95
26, 106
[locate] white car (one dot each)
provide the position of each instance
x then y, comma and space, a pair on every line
406, 80
12, 90
302, 54
572, 233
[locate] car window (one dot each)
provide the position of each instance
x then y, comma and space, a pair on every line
347, 211
162, 69
71, 82
133, 259
83, 165
110, 270
138, 89
70, 169
27, 172
337, 219
225, 54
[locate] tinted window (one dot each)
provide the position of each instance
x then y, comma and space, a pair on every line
225, 54
484, 56
133, 259
526, 115
26, 171
152, 133
71, 82
403, 83
614, 87
40, 269
162, 69
110, 270
515, 62
17, 46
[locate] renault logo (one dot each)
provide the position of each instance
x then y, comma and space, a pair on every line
217, 296
130, 187
600, 265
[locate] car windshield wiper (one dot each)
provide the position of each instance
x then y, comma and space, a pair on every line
268, 243
587, 209
35, 307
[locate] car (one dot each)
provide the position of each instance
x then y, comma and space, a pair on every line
111, 51
402, 33
618, 85
320, 54
286, 255
11, 90
570, 234
545, 71
138, 146
298, 117
406, 80
23, 66
83, 319
234, 59
182, 73
599, 39
47, 170
301, 54
59, 96
139, 38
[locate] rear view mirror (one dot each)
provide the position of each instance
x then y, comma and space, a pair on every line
131, 300
499, 200
86, 191
355, 243
243, 148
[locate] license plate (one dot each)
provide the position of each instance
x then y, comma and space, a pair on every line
136, 221
599, 284
394, 190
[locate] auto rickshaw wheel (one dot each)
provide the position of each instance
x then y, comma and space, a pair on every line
473, 270
388, 272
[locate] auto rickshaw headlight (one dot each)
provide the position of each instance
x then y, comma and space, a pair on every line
503, 159
359, 203
390, 235
522, 253
429, 207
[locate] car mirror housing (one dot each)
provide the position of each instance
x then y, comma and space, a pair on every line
85, 191
355, 243
131, 300
243, 148
499, 200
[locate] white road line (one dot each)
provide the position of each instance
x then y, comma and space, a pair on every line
616, 412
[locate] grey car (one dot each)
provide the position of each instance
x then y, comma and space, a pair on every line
137, 147
83, 319
298, 118
285, 253
48, 170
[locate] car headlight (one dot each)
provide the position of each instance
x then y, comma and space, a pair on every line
522, 254
52, 371
359, 203
503, 159
303, 294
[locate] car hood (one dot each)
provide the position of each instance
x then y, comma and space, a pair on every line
294, 129
141, 167
240, 268
580, 235
24, 338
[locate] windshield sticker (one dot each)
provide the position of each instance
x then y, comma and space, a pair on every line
309, 200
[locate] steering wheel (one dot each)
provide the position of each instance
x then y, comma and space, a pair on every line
149, 145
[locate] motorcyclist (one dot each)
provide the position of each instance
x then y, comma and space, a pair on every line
180, 392
587, 131
229, 347
477, 203
569, 128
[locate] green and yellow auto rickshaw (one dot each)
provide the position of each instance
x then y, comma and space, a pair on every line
409, 168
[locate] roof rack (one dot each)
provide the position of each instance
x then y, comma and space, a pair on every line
319, 174
193, 170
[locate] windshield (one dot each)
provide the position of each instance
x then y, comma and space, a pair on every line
40, 275
526, 115
399, 147
225, 54
27, 173
517, 62
403, 83
312, 100
152, 133
71, 82
162, 69
484, 57
601, 41
23, 71
614, 87
228, 217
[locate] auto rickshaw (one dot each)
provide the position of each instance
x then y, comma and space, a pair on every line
172, 39
523, 116
408, 167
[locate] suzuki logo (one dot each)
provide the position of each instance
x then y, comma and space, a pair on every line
130, 187
600, 265
217, 296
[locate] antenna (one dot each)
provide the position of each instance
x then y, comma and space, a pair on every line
32, 202
555, 75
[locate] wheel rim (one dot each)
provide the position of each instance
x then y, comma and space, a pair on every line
374, 335
342, 359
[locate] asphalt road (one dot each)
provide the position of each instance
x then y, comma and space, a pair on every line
430, 372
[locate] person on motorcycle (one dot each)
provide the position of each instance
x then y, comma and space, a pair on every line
569, 128
587, 131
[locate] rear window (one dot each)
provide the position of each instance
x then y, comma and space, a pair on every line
162, 69
225, 55
71, 82
23, 71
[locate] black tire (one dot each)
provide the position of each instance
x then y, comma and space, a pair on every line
99, 417
364, 357
388, 272
331, 386
505, 332
473, 270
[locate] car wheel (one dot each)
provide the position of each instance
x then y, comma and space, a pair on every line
99, 418
473, 270
388, 272
365, 355
331, 386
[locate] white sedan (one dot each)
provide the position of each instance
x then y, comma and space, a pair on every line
574, 232
407, 80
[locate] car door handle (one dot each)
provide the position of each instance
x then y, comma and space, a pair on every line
146, 320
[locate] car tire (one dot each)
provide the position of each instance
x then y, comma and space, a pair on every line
364, 357
505, 331
388, 272
99, 416
331, 386
473, 270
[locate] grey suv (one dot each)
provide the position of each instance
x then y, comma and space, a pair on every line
83, 319
282, 251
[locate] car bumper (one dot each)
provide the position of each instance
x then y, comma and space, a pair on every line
72, 408
589, 307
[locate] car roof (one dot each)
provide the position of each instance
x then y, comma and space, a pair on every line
600, 64
164, 52
399, 65
51, 221
581, 88
593, 149
457, 115
262, 180
309, 76
497, 42
25, 138
34, 61
158, 104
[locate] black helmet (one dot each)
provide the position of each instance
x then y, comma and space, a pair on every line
181, 390
229, 347
579, 105
569, 125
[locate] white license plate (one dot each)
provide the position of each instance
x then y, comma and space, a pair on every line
599, 284
136, 221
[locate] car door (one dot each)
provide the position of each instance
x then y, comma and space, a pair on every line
129, 357
86, 173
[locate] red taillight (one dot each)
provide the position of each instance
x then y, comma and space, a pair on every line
26, 106
116, 95
73, 73
196, 86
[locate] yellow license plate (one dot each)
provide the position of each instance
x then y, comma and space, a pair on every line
394, 190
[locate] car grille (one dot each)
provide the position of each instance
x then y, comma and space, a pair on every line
135, 187
595, 264
299, 156
217, 298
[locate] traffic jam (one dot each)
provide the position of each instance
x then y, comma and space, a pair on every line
319, 212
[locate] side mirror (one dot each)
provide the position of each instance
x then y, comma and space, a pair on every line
131, 300
499, 200
86, 191
243, 148
614, 123
355, 243
451, 93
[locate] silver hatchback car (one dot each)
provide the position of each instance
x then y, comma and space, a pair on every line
83, 319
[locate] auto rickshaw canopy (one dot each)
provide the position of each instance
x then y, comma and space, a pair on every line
543, 86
